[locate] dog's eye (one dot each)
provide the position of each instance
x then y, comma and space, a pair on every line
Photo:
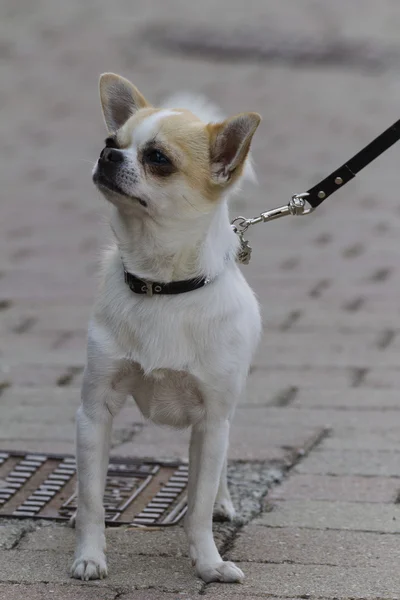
155, 157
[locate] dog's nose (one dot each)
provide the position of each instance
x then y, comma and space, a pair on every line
111, 155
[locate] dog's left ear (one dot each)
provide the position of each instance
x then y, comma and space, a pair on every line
120, 99
230, 144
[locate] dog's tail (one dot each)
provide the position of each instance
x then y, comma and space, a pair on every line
209, 113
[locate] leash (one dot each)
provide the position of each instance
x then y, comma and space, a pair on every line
307, 202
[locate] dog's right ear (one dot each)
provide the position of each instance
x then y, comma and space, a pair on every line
120, 99
230, 144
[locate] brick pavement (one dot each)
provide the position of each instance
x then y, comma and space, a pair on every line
323, 393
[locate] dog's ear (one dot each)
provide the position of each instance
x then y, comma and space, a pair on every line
230, 144
120, 99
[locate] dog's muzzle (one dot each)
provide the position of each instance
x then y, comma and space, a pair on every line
111, 155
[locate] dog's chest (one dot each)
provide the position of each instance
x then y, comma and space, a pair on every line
159, 334
207, 332
168, 397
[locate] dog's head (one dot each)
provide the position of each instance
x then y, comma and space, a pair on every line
167, 161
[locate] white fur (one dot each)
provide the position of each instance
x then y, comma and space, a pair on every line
148, 128
184, 358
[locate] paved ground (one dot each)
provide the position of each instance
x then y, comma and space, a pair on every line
322, 410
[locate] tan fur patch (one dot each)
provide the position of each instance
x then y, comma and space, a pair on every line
185, 139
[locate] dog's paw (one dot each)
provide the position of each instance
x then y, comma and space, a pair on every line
89, 567
224, 511
226, 572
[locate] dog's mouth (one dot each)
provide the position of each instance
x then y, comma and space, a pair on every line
102, 181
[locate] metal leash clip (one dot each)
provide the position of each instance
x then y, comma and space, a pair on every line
296, 206
318, 193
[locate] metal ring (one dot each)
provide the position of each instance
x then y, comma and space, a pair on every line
299, 207
240, 223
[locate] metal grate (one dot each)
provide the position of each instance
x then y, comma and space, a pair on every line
138, 492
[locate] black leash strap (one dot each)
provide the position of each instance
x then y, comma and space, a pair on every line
337, 179
320, 192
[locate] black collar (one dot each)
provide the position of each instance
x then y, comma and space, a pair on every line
150, 288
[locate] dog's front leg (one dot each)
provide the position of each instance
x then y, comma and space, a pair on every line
94, 423
224, 509
207, 455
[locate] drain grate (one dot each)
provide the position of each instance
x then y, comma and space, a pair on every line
138, 492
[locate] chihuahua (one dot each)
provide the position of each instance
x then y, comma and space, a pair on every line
175, 323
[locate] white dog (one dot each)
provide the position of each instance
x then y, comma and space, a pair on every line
175, 323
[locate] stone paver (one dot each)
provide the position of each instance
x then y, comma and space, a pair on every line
310, 581
382, 378
284, 377
33, 376
352, 462
345, 438
44, 591
357, 350
246, 443
155, 595
27, 419
307, 546
223, 592
174, 444
131, 541
49, 445
354, 398
371, 420
348, 489
125, 572
263, 443
85, 592
333, 515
